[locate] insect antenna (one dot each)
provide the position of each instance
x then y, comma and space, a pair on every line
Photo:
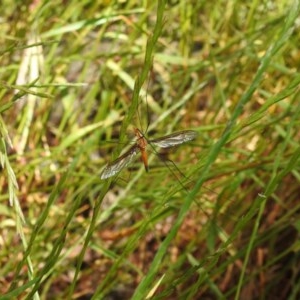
139, 115
147, 108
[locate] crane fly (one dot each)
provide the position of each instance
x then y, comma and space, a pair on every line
167, 141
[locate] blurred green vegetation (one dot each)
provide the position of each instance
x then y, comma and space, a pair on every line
216, 218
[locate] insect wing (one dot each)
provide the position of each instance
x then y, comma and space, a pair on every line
174, 139
120, 163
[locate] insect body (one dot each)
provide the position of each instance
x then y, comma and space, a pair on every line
167, 141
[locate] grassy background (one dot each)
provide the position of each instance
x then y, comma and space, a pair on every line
222, 223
